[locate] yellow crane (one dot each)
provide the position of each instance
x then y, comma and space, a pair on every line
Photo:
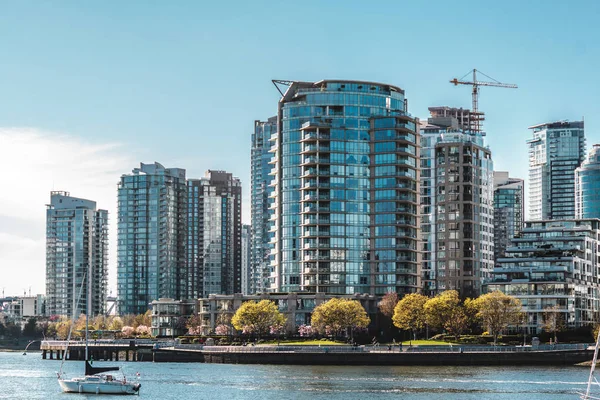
477, 116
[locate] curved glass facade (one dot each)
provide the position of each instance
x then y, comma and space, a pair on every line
345, 193
587, 186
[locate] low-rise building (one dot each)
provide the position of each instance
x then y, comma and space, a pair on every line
169, 316
297, 307
553, 263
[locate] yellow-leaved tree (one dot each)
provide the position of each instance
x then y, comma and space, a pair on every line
258, 318
445, 311
339, 316
409, 313
497, 311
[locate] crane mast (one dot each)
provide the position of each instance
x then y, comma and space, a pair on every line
476, 115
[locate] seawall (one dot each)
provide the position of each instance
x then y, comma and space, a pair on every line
445, 358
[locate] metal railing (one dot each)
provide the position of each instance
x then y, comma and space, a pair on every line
382, 348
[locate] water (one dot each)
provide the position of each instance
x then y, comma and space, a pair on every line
30, 377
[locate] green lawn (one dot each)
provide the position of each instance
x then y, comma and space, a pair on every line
426, 343
306, 343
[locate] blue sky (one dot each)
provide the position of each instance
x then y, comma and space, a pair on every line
182, 82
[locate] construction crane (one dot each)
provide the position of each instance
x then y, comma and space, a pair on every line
477, 116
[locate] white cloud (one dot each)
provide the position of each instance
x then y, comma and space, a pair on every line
34, 162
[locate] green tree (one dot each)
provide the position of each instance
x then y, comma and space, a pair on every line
471, 314
339, 317
554, 320
257, 317
409, 313
12, 330
497, 311
30, 329
445, 311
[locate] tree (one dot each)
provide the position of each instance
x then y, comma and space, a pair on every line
194, 324
338, 316
100, 323
222, 329
409, 313
497, 311
128, 331
143, 319
445, 311
388, 304
257, 317
12, 330
143, 330
305, 330
471, 311
62, 328
79, 329
30, 329
115, 324
554, 320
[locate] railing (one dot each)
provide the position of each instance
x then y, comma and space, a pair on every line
62, 344
384, 348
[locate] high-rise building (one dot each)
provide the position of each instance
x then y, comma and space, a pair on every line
509, 210
151, 237
76, 253
587, 186
246, 245
457, 204
345, 190
555, 151
260, 198
553, 264
214, 234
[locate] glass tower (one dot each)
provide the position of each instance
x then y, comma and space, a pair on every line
587, 186
246, 234
345, 190
76, 245
151, 237
260, 197
214, 234
555, 151
508, 210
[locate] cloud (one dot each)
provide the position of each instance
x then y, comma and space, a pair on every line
34, 162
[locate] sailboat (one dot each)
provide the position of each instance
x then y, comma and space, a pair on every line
95, 379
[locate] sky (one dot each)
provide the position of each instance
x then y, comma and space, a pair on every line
88, 90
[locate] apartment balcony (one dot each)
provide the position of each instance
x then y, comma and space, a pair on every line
309, 149
312, 136
309, 197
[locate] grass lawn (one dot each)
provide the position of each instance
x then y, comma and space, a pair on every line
426, 343
306, 343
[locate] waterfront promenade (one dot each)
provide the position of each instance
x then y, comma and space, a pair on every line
170, 351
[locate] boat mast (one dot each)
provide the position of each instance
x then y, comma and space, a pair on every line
87, 308
587, 392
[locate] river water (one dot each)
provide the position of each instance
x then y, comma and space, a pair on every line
30, 377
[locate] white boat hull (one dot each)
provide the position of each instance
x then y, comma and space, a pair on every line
98, 386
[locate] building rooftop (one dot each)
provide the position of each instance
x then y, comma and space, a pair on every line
558, 125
